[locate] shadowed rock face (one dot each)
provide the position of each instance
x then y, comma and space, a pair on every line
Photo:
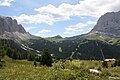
108, 24
9, 25
10, 29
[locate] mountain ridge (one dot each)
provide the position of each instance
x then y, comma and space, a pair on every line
108, 25
10, 29
84, 45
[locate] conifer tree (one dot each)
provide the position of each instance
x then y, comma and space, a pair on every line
46, 58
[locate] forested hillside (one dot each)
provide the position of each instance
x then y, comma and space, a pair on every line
79, 48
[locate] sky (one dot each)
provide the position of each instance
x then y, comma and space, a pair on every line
47, 18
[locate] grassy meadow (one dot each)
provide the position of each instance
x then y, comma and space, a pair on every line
69, 70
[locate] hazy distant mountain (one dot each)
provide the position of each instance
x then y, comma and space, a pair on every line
108, 25
10, 29
58, 37
55, 38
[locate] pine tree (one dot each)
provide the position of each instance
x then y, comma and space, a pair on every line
9, 52
46, 58
2, 53
31, 57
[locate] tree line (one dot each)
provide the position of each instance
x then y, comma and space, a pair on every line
44, 58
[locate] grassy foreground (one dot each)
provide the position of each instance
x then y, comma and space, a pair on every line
70, 70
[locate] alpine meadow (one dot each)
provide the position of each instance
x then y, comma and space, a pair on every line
59, 40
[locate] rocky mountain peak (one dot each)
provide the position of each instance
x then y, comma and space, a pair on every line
108, 24
7, 24
10, 29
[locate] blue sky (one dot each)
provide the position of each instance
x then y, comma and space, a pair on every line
48, 18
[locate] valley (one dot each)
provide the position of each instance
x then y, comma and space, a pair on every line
94, 55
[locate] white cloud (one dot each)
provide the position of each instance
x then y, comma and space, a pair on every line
50, 14
79, 27
6, 2
38, 18
96, 8
74, 28
44, 31
91, 22
64, 11
41, 33
29, 28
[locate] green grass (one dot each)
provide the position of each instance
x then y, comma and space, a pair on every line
54, 39
70, 70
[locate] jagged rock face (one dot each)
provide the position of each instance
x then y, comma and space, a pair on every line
10, 29
9, 25
108, 24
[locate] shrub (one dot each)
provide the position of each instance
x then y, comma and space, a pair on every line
114, 64
105, 64
99, 68
1, 64
117, 63
105, 74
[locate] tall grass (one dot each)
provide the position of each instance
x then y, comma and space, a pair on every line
69, 70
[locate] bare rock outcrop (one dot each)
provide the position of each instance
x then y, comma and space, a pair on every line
108, 25
10, 29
